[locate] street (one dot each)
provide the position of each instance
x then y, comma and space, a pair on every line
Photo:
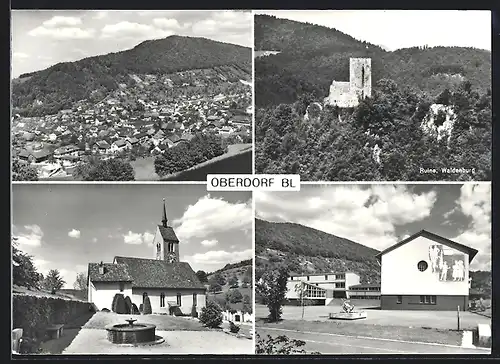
325, 343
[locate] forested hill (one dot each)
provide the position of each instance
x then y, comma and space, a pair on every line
65, 83
303, 249
312, 56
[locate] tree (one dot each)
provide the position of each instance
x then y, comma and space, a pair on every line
81, 283
202, 276
147, 310
53, 282
272, 288
214, 287
24, 272
246, 299
106, 170
301, 290
219, 279
234, 296
23, 172
233, 282
279, 345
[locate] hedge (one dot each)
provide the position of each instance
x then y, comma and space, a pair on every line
33, 314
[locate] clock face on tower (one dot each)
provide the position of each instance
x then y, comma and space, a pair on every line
171, 257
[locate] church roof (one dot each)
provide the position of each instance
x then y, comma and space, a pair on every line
112, 273
471, 252
151, 273
167, 233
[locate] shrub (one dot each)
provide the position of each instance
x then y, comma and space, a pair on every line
105, 310
279, 345
211, 315
113, 304
233, 328
118, 303
29, 346
194, 313
147, 306
135, 310
128, 305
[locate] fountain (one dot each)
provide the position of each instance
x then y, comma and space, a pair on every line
132, 333
348, 312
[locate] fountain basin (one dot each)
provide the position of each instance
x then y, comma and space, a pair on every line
131, 334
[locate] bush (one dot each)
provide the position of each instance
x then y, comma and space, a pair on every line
128, 305
135, 310
279, 345
119, 304
105, 310
211, 315
33, 314
194, 313
141, 308
29, 346
233, 328
147, 306
113, 304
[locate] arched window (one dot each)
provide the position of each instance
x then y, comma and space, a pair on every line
162, 299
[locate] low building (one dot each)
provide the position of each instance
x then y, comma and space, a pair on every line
425, 272
364, 291
320, 288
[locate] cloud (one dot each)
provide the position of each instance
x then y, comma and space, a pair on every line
94, 240
137, 238
62, 33
62, 21
32, 236
212, 242
99, 15
20, 55
211, 215
74, 234
126, 29
475, 202
165, 23
224, 22
219, 257
368, 216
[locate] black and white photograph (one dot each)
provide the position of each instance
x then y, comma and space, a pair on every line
373, 269
131, 95
379, 95
131, 269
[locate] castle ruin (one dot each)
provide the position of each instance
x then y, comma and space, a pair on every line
348, 94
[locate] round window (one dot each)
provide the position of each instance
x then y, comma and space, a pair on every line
422, 265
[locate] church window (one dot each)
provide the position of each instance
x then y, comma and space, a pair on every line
158, 247
179, 299
122, 286
162, 300
422, 265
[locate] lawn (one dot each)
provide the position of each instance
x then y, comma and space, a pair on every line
144, 169
162, 322
418, 334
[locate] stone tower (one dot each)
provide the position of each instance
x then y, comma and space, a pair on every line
360, 79
165, 242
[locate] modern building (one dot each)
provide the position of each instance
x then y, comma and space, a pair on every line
319, 288
364, 291
171, 285
425, 272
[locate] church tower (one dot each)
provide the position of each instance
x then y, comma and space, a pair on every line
165, 242
360, 77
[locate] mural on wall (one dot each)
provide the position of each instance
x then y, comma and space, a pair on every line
447, 264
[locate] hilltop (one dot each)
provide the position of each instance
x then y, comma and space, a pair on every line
303, 249
63, 84
312, 56
233, 269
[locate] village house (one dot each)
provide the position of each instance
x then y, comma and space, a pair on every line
118, 146
101, 147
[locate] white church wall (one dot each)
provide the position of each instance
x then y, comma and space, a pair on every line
154, 295
401, 276
102, 293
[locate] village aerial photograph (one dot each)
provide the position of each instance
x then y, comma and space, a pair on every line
123, 95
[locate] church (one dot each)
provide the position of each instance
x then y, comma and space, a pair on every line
425, 272
170, 284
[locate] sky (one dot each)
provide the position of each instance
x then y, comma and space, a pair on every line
394, 29
379, 216
41, 38
67, 226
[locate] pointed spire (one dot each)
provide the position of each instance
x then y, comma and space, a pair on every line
164, 219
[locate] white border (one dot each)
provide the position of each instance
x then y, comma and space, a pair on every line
253, 272
253, 91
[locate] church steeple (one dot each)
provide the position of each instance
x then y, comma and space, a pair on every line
164, 220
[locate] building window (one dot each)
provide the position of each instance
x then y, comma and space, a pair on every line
428, 300
340, 276
400, 299
162, 300
422, 265
340, 285
179, 299
194, 299
307, 277
122, 286
326, 277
